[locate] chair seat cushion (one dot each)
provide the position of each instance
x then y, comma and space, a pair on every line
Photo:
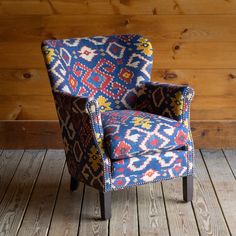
130, 133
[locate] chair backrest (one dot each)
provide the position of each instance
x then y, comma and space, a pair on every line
107, 68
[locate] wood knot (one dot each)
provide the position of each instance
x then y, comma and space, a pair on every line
170, 75
50, 36
127, 21
154, 11
184, 31
177, 47
204, 133
232, 76
27, 75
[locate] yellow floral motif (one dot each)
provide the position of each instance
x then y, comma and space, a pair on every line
177, 103
143, 122
104, 105
94, 158
145, 46
49, 54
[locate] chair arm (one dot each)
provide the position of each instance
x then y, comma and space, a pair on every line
169, 100
83, 137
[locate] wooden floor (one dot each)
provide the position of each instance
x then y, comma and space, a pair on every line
35, 200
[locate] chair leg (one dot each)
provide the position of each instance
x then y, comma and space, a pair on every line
74, 183
188, 188
105, 202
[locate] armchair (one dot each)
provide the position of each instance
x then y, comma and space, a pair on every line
119, 129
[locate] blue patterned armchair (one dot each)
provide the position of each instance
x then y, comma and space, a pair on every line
119, 129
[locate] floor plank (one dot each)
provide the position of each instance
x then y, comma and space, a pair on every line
38, 214
224, 183
180, 214
124, 219
91, 223
66, 216
15, 201
207, 209
9, 160
152, 215
230, 155
34, 187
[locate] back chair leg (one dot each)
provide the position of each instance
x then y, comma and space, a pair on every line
74, 183
105, 202
188, 188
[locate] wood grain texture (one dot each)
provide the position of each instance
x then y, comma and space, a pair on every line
40, 107
9, 160
172, 54
25, 82
193, 41
47, 134
124, 219
15, 201
30, 134
25, 7
224, 183
230, 155
214, 134
150, 7
91, 223
33, 107
191, 28
66, 216
206, 82
213, 201
207, 209
30, 91
180, 214
151, 209
116, 7
39, 211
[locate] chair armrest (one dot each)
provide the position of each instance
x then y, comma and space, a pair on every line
169, 100
172, 101
83, 137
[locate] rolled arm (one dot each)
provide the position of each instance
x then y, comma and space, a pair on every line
82, 132
169, 100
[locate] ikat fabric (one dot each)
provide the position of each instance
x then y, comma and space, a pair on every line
105, 68
130, 133
92, 77
151, 167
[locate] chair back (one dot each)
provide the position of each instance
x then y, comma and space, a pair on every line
107, 68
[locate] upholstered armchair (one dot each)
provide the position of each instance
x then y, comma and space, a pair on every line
119, 129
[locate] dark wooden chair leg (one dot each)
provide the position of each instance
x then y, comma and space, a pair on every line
74, 183
105, 202
188, 188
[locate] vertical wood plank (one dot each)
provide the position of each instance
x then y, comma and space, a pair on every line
39, 211
124, 219
230, 155
91, 223
9, 160
224, 183
180, 214
15, 201
151, 208
66, 216
207, 209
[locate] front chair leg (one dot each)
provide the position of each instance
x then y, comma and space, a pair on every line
188, 188
74, 183
105, 202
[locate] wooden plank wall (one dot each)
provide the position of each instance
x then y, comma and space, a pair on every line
194, 43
